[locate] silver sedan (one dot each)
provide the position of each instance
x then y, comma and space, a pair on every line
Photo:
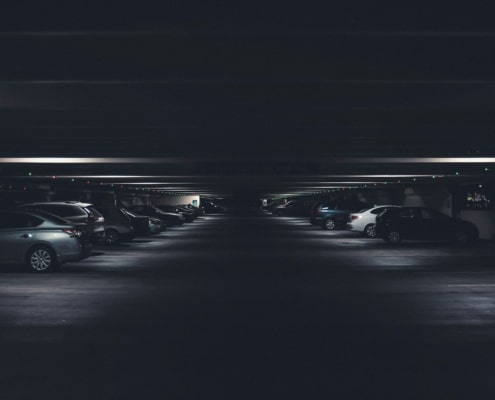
40, 241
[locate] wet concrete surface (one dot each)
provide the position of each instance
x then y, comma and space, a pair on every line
248, 305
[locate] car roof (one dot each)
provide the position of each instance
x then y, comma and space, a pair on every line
62, 203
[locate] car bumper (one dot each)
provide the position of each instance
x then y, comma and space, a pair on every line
354, 227
76, 252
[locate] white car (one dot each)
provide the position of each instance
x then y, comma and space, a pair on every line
364, 221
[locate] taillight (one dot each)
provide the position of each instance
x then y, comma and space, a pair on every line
353, 217
72, 232
92, 217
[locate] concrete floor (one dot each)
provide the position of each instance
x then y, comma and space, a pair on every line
250, 306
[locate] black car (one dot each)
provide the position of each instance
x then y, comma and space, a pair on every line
420, 223
169, 218
118, 225
188, 214
198, 211
292, 208
140, 223
210, 207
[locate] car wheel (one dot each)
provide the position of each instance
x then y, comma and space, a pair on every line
369, 230
393, 237
461, 237
111, 236
329, 224
41, 259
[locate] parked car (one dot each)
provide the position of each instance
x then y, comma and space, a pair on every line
211, 207
74, 211
364, 221
118, 225
145, 225
198, 211
170, 219
156, 225
420, 223
292, 208
84, 233
334, 214
270, 206
188, 214
38, 241
140, 223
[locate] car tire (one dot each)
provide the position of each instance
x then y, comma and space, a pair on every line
393, 237
41, 259
111, 236
329, 224
369, 231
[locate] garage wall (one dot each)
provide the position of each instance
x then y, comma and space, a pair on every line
484, 220
435, 197
176, 200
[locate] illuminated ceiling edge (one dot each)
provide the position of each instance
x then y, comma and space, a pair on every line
164, 160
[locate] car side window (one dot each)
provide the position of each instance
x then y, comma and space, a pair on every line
14, 220
378, 210
60, 211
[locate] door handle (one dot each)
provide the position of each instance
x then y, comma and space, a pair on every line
26, 236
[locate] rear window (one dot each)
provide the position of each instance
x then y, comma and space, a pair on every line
390, 211
93, 211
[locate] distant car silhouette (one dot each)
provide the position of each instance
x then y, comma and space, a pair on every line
420, 223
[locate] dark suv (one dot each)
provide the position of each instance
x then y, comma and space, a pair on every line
76, 212
420, 223
334, 214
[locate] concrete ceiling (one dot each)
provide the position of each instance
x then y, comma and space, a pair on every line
274, 101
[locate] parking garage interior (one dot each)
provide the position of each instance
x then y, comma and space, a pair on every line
250, 109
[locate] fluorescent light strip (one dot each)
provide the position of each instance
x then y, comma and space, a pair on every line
164, 160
